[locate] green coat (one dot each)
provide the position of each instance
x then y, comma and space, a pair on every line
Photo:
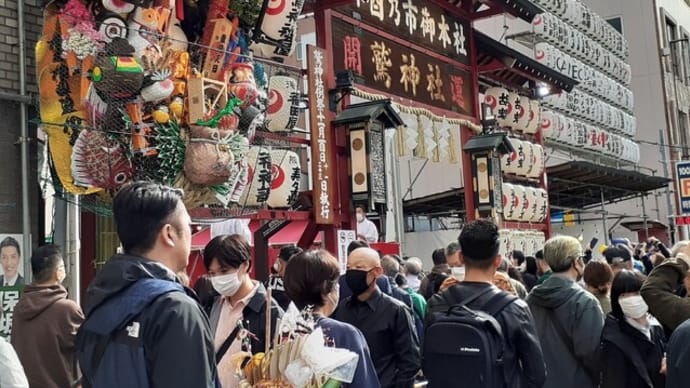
418, 303
659, 291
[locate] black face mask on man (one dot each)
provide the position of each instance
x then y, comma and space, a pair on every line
356, 279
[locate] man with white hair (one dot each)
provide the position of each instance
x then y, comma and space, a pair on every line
568, 318
386, 323
659, 290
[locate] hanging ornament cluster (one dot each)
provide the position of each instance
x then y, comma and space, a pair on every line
170, 91
425, 135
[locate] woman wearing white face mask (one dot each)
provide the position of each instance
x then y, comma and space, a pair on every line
311, 279
633, 341
238, 315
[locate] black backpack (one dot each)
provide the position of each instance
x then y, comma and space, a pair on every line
464, 346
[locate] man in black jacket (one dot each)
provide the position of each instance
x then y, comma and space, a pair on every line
143, 328
386, 323
523, 360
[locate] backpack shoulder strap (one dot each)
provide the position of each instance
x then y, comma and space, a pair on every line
451, 298
144, 292
498, 302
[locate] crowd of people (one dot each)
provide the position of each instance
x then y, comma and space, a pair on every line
568, 317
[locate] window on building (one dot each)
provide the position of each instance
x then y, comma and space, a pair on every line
684, 48
671, 42
617, 23
683, 128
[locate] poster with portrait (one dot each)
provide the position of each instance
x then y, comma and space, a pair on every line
11, 278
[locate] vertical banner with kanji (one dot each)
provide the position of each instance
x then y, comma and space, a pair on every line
9, 296
11, 278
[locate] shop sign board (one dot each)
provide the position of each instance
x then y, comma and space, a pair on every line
385, 65
321, 137
683, 176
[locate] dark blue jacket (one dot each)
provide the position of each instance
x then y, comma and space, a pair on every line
143, 329
346, 336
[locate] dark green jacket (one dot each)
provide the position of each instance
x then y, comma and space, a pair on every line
659, 291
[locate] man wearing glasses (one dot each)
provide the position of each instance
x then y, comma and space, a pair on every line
568, 318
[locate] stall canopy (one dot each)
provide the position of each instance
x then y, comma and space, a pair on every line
445, 204
572, 185
579, 184
502, 64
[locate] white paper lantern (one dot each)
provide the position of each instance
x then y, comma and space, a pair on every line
517, 237
519, 116
532, 198
283, 104
286, 177
521, 195
509, 201
549, 124
543, 205
277, 31
259, 181
538, 161
499, 101
513, 161
505, 238
525, 156
534, 117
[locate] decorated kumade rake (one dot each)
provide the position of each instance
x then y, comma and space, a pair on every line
171, 91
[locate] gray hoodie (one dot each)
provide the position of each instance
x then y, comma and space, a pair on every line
571, 350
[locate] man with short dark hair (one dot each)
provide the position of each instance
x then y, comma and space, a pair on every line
439, 272
143, 328
543, 269
10, 259
275, 282
386, 323
45, 323
523, 363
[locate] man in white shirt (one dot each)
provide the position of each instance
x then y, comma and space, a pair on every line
366, 230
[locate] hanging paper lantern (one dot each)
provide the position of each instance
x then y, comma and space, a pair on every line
276, 33
509, 201
505, 238
538, 161
286, 176
532, 200
499, 101
521, 199
525, 156
259, 180
513, 161
549, 124
542, 205
283, 104
520, 114
518, 239
535, 121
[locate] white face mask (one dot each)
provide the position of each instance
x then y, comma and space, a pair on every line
360, 217
226, 285
458, 273
633, 306
333, 297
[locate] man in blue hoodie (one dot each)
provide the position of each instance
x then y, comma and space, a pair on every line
143, 328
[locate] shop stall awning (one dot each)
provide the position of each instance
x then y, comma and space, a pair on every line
445, 204
512, 68
580, 184
289, 234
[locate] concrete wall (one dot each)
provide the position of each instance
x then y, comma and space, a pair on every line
422, 244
